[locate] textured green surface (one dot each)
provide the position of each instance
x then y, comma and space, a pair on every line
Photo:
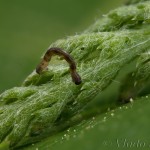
49, 103
123, 128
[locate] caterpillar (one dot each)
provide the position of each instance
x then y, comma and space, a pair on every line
58, 51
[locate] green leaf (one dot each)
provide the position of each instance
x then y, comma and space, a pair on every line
113, 60
122, 128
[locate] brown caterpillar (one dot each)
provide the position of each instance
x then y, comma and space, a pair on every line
58, 51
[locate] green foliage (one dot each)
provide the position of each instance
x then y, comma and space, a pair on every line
116, 47
122, 128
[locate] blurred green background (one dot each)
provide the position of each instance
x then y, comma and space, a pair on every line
27, 28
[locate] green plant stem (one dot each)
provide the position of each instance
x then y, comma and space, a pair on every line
45, 101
